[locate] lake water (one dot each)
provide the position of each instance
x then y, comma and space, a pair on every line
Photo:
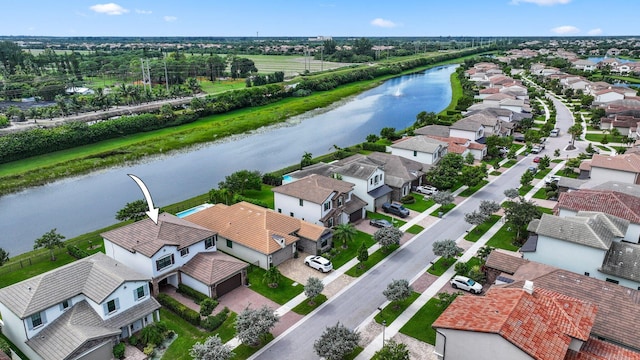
78, 205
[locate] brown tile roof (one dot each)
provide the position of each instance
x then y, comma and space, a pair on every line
504, 262
148, 238
623, 162
618, 306
212, 267
595, 349
615, 203
314, 188
251, 225
540, 324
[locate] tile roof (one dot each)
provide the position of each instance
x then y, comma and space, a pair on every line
504, 262
467, 124
315, 188
398, 170
595, 349
96, 277
615, 203
253, 226
212, 267
420, 143
618, 306
623, 162
438, 130
590, 231
622, 260
147, 238
625, 188
541, 324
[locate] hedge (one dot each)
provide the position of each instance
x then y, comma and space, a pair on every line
213, 322
194, 294
76, 252
374, 147
179, 309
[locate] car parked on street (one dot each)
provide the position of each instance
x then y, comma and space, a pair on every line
466, 284
395, 209
532, 169
426, 190
536, 159
381, 223
319, 263
536, 149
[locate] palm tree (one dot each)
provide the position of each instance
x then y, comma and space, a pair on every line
344, 233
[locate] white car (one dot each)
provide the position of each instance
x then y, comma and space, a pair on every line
551, 179
319, 263
466, 284
426, 190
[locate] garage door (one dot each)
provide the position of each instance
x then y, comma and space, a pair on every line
229, 284
355, 216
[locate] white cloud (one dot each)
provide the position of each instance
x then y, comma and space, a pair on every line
169, 18
595, 32
380, 22
541, 2
109, 9
565, 30
145, 12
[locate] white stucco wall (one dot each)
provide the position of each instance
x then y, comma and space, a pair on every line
608, 97
471, 135
244, 253
362, 187
309, 211
124, 294
461, 345
566, 255
196, 284
423, 157
600, 175
15, 329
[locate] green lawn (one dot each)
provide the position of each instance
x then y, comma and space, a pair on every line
265, 195
510, 163
439, 267
374, 258
524, 189
495, 173
344, 255
219, 86
545, 210
503, 239
304, 308
245, 351
395, 221
472, 190
393, 310
415, 229
421, 203
283, 293
541, 194
476, 233
443, 209
419, 327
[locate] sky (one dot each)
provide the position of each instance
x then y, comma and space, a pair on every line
307, 18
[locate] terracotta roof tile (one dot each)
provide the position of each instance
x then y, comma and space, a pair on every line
615, 203
212, 267
624, 162
504, 262
540, 324
595, 349
315, 188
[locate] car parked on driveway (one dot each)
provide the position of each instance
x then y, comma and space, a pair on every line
551, 179
427, 190
395, 209
381, 223
319, 263
466, 284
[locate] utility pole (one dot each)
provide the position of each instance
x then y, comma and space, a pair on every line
166, 76
146, 77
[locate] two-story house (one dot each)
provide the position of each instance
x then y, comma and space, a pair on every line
160, 252
420, 148
320, 200
469, 128
77, 311
623, 168
260, 236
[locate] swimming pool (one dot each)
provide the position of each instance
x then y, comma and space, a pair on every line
287, 179
193, 210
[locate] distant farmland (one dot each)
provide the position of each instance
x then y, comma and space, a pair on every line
290, 65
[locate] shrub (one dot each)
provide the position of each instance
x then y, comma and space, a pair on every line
118, 351
133, 340
213, 322
374, 147
272, 179
239, 198
5, 347
181, 310
207, 305
408, 199
461, 268
153, 333
194, 294
76, 252
149, 349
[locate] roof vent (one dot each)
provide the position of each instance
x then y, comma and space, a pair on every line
528, 286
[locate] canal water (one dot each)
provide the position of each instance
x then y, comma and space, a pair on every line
78, 205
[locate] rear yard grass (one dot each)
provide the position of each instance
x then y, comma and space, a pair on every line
476, 233
503, 239
374, 258
394, 309
283, 293
419, 327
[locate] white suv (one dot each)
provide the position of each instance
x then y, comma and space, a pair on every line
426, 190
466, 284
318, 263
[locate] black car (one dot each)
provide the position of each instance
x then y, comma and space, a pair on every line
381, 223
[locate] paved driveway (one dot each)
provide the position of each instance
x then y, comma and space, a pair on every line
296, 270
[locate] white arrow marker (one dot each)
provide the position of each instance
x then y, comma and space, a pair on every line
153, 211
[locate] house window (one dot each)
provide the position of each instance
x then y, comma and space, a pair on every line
65, 305
376, 179
139, 293
340, 201
327, 206
280, 210
415, 153
209, 243
184, 252
229, 244
291, 214
330, 222
613, 281
36, 320
301, 202
111, 306
371, 181
324, 243
164, 262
